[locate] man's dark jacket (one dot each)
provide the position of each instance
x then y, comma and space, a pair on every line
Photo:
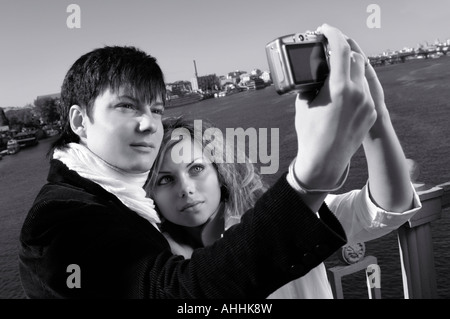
80, 241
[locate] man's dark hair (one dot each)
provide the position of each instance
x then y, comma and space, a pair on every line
111, 67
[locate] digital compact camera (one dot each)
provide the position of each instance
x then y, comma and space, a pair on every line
298, 62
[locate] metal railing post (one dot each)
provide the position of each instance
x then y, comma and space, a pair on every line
416, 246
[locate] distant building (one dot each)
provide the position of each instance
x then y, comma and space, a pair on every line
265, 76
245, 77
49, 96
179, 87
249, 77
235, 76
256, 72
194, 84
225, 80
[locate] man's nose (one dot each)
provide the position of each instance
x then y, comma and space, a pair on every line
148, 122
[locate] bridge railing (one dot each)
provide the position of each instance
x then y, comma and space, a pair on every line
416, 244
416, 249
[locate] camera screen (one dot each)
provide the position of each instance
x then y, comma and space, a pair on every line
308, 62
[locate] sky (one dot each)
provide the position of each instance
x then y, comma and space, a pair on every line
37, 46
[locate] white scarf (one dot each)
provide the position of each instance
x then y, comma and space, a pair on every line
128, 187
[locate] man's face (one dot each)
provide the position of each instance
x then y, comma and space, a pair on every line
124, 131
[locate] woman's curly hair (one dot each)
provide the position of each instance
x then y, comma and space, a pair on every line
241, 185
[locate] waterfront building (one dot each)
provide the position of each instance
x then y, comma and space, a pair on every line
265, 76
194, 84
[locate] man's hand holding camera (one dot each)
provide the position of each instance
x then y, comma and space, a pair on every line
331, 126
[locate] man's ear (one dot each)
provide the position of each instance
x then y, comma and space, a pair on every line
77, 116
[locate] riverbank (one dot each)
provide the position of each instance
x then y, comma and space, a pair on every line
21, 177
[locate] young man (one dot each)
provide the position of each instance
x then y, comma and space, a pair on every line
93, 214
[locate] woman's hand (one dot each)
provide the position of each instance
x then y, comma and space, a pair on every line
376, 91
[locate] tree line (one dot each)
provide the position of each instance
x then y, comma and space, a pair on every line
44, 111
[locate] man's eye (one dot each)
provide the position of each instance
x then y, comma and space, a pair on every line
126, 106
158, 111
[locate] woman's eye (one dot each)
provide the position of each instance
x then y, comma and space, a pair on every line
164, 180
196, 169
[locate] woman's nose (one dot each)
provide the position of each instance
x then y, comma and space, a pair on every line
186, 187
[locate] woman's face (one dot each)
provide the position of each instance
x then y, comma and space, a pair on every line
187, 193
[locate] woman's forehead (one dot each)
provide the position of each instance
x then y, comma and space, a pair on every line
186, 151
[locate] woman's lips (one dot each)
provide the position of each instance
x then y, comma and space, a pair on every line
190, 205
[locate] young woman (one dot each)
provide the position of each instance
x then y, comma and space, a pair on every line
200, 195
224, 190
